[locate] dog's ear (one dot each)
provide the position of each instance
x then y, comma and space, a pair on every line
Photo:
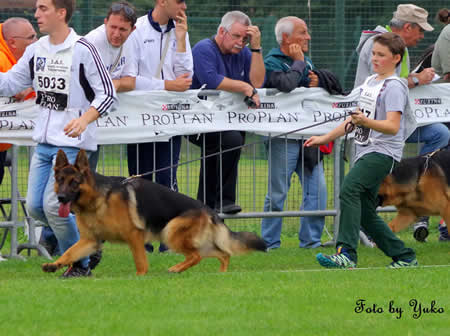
82, 162
61, 160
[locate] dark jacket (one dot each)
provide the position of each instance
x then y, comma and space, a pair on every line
285, 74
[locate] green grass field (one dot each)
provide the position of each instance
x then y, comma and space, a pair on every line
283, 292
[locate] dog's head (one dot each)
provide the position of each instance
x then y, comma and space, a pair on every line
393, 193
69, 179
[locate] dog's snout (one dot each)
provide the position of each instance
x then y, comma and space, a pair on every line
62, 198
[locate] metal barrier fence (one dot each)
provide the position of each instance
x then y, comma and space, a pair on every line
251, 189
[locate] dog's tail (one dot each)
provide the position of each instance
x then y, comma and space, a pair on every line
236, 243
204, 230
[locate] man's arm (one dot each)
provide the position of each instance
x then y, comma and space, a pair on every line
422, 78
257, 68
18, 78
100, 82
125, 84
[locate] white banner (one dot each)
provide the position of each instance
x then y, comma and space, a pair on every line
157, 115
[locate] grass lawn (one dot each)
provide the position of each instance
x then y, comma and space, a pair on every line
283, 292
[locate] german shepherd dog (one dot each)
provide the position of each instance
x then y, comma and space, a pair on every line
136, 211
417, 187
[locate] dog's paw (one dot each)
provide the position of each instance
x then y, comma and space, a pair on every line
50, 267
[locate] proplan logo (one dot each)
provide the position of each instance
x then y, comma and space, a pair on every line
428, 101
345, 104
176, 107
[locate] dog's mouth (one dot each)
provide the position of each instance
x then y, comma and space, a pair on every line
64, 209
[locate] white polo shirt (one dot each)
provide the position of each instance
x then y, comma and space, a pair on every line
126, 65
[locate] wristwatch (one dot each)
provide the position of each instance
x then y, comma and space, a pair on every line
415, 80
256, 50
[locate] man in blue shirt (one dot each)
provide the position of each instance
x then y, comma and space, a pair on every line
226, 63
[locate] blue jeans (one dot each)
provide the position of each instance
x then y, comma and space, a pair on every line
434, 136
42, 202
314, 193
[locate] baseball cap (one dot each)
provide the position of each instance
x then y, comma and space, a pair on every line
413, 14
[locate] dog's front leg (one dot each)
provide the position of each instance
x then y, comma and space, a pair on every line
80, 249
136, 244
402, 220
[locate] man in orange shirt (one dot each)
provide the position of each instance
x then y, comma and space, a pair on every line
15, 35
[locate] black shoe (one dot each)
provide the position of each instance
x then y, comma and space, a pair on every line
421, 230
229, 209
76, 271
94, 259
149, 248
163, 248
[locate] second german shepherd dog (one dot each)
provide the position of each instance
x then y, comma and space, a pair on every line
136, 211
418, 186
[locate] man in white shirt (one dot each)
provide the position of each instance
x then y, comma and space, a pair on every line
161, 43
73, 89
111, 40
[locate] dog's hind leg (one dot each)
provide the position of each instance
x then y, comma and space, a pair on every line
192, 259
223, 258
136, 243
80, 249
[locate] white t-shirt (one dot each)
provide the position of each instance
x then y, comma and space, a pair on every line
125, 66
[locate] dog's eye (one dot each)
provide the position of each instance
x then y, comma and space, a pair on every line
74, 183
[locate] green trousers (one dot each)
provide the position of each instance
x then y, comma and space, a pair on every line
358, 200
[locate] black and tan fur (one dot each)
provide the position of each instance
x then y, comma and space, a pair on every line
140, 211
418, 186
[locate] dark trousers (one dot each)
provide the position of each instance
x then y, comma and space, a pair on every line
358, 200
2, 165
210, 186
155, 156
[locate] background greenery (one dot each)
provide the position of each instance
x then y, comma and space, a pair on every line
335, 25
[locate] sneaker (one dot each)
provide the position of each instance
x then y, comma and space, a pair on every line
404, 263
76, 271
339, 260
421, 229
94, 259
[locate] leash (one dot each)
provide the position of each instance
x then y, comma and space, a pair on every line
428, 157
350, 129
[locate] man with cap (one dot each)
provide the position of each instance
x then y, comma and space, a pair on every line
409, 22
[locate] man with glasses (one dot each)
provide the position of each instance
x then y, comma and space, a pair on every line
15, 35
409, 22
164, 62
224, 62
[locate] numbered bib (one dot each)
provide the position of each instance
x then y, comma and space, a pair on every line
52, 74
367, 104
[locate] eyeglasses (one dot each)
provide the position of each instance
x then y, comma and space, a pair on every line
129, 12
29, 38
236, 37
